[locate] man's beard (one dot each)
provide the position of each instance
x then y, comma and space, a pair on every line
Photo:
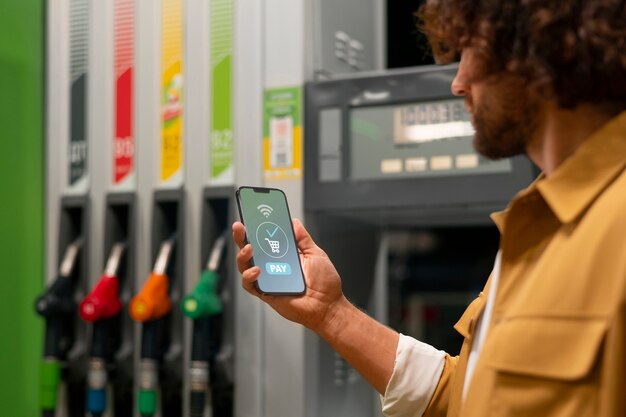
505, 121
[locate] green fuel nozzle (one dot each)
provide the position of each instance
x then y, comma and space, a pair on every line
204, 300
203, 305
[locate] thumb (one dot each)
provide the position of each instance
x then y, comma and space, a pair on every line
303, 239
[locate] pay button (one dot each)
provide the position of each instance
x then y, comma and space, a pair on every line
278, 268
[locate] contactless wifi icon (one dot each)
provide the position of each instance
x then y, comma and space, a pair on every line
265, 210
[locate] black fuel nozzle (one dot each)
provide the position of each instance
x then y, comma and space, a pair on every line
56, 305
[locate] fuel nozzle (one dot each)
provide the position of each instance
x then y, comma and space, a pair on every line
99, 307
56, 305
204, 300
149, 305
58, 298
153, 301
103, 302
201, 305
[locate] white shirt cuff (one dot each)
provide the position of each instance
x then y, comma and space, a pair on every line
415, 376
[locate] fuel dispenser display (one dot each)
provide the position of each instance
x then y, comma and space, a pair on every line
204, 307
57, 307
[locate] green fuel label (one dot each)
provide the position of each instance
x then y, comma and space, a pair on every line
221, 140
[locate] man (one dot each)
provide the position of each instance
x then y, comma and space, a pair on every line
547, 337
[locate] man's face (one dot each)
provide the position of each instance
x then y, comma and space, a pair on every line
504, 115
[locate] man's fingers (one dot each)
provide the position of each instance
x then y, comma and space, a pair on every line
245, 253
244, 257
249, 279
249, 274
239, 234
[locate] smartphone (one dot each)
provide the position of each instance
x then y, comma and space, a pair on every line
265, 213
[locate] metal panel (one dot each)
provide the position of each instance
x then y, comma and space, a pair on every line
348, 36
248, 122
196, 131
57, 122
284, 38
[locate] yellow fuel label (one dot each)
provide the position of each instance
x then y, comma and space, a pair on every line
171, 88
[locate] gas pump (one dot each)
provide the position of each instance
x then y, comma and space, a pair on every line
399, 199
204, 307
68, 207
57, 307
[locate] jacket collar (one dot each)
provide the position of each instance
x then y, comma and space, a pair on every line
582, 177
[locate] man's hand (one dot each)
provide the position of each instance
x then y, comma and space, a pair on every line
314, 309
366, 344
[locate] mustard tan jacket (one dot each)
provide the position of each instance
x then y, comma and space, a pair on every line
557, 342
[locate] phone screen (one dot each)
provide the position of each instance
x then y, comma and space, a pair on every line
265, 214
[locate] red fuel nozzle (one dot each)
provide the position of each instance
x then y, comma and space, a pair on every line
153, 301
103, 302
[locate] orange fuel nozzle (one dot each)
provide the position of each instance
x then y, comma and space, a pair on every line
153, 301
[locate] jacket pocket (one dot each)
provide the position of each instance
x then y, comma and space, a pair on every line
546, 365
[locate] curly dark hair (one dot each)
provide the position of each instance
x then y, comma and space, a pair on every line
573, 51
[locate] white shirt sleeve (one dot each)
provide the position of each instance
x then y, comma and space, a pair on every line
415, 376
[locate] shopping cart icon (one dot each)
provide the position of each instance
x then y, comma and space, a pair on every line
274, 245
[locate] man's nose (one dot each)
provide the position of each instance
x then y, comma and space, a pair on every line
459, 86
